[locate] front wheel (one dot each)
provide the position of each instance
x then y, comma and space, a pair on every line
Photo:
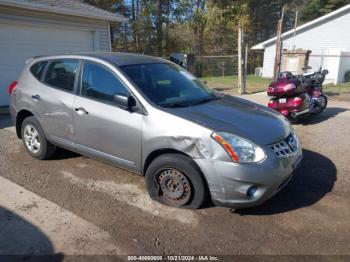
175, 180
320, 105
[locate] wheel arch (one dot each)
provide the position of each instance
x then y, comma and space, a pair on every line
22, 114
158, 152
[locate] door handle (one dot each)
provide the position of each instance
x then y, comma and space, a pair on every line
81, 111
36, 97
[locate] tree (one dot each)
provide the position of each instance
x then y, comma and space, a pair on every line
316, 8
161, 27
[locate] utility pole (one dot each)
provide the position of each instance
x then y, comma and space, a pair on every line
278, 46
295, 27
245, 69
240, 61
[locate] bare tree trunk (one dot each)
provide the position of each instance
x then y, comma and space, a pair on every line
133, 16
125, 38
137, 29
167, 46
159, 25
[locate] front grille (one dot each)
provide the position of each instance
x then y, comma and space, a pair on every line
286, 147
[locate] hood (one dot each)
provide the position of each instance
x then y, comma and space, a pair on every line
257, 123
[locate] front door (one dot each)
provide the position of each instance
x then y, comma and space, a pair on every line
103, 129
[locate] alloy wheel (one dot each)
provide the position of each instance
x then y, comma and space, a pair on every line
32, 139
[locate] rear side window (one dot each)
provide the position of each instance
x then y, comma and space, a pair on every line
37, 69
61, 74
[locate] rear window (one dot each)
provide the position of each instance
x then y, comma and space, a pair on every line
37, 69
61, 74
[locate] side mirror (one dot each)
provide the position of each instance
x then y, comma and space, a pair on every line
124, 101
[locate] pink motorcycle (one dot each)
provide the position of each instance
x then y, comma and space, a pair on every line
298, 95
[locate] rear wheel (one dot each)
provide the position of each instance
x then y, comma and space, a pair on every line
320, 106
34, 139
175, 180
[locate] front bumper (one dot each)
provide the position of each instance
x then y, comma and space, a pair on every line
229, 182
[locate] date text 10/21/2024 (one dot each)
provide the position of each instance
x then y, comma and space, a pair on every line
173, 258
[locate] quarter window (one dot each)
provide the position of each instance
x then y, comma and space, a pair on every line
37, 69
100, 83
61, 74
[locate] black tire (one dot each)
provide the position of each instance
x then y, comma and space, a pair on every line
321, 109
189, 172
46, 149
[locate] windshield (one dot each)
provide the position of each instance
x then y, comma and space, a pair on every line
168, 85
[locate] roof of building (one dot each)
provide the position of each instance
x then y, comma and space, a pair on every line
305, 27
66, 7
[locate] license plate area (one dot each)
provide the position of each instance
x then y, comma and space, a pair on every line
282, 100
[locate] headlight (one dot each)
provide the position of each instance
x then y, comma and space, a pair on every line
239, 149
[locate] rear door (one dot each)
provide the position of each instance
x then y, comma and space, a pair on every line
53, 97
103, 129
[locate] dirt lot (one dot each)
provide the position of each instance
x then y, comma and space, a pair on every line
309, 216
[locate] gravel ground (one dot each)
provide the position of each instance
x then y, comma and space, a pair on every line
309, 216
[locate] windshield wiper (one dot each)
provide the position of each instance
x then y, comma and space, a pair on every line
205, 100
191, 103
174, 105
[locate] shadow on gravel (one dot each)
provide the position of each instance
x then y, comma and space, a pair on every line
62, 154
314, 179
327, 114
19, 239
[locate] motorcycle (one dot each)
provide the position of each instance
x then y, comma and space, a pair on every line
295, 96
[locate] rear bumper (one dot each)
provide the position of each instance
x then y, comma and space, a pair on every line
294, 106
229, 182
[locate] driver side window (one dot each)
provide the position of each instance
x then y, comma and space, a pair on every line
100, 83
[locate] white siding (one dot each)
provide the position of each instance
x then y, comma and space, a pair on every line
269, 55
24, 34
344, 66
329, 38
59, 21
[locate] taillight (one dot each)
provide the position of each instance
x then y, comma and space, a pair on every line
284, 112
297, 101
273, 104
12, 86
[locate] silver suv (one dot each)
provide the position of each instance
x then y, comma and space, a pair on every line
153, 118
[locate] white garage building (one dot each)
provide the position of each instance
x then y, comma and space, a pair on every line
328, 37
40, 27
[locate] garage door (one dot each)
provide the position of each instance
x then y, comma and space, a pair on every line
20, 42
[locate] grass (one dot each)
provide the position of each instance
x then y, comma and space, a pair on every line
229, 84
338, 92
